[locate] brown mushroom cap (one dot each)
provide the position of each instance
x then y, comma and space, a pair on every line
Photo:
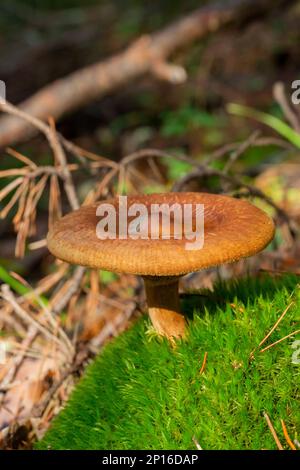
233, 229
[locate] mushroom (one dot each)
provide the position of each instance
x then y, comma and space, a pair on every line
233, 229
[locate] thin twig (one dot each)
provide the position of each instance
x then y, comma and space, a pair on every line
280, 340
286, 435
280, 97
202, 171
203, 363
39, 409
74, 283
271, 427
50, 134
198, 447
7, 295
48, 314
246, 144
110, 329
26, 343
62, 159
22, 158
297, 443
155, 153
273, 328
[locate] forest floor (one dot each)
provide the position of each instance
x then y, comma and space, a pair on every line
217, 388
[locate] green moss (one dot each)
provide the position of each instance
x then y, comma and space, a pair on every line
141, 393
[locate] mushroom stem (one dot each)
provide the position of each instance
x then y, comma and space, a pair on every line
164, 306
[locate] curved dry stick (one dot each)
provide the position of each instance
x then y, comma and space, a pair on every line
147, 54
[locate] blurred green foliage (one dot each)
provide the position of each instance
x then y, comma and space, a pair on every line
187, 118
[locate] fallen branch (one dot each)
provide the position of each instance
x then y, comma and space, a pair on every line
148, 54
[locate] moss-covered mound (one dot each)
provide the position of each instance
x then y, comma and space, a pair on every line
141, 393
